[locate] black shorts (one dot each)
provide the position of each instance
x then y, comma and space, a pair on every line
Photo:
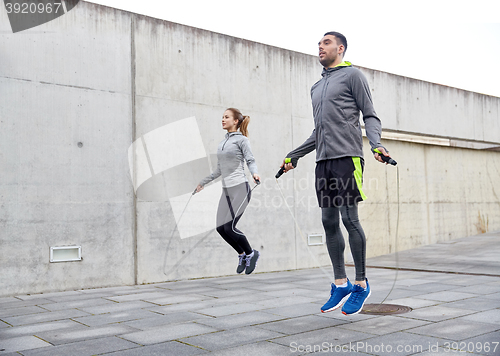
339, 182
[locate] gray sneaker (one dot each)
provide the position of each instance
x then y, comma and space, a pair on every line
242, 263
251, 262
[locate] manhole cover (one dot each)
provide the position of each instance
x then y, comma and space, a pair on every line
384, 309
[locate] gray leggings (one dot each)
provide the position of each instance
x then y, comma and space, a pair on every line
335, 240
233, 200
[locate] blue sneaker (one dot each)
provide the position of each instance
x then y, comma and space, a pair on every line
338, 296
358, 297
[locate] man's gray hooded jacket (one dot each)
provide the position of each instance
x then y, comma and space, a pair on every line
337, 100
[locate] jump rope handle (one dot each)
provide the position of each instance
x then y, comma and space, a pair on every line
293, 161
384, 158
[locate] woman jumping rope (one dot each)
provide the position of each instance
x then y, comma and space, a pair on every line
233, 150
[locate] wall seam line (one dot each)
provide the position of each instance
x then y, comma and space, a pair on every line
134, 132
294, 190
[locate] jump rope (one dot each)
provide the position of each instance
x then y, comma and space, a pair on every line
293, 161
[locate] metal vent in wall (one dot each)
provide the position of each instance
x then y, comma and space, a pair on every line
315, 239
65, 253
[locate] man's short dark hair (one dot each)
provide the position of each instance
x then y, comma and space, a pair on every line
340, 38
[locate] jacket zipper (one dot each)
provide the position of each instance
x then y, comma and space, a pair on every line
323, 94
225, 143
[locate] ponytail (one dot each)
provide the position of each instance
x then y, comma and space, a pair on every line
243, 121
244, 125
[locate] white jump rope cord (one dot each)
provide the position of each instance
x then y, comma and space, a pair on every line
173, 231
395, 242
302, 235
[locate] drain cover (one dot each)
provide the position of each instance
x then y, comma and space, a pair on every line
384, 309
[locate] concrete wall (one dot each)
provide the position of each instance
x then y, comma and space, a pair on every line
416, 106
107, 78
62, 83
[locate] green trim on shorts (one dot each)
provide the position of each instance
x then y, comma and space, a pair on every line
358, 175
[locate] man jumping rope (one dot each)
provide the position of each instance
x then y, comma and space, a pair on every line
337, 99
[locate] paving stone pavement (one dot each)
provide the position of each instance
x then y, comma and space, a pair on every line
456, 307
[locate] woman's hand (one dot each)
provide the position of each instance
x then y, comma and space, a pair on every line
256, 178
199, 188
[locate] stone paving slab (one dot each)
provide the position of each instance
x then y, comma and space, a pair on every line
74, 304
235, 337
332, 335
295, 310
21, 303
7, 299
278, 302
398, 344
140, 296
301, 324
483, 344
435, 287
229, 309
192, 306
21, 311
173, 348
485, 288
438, 313
167, 319
22, 343
379, 295
118, 317
337, 314
291, 291
116, 307
191, 290
386, 325
174, 299
84, 348
456, 329
415, 303
118, 290
168, 333
229, 322
477, 303
44, 317
263, 348
81, 297
463, 280
448, 296
46, 295
493, 296
238, 299
37, 328
65, 336
225, 293
488, 316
